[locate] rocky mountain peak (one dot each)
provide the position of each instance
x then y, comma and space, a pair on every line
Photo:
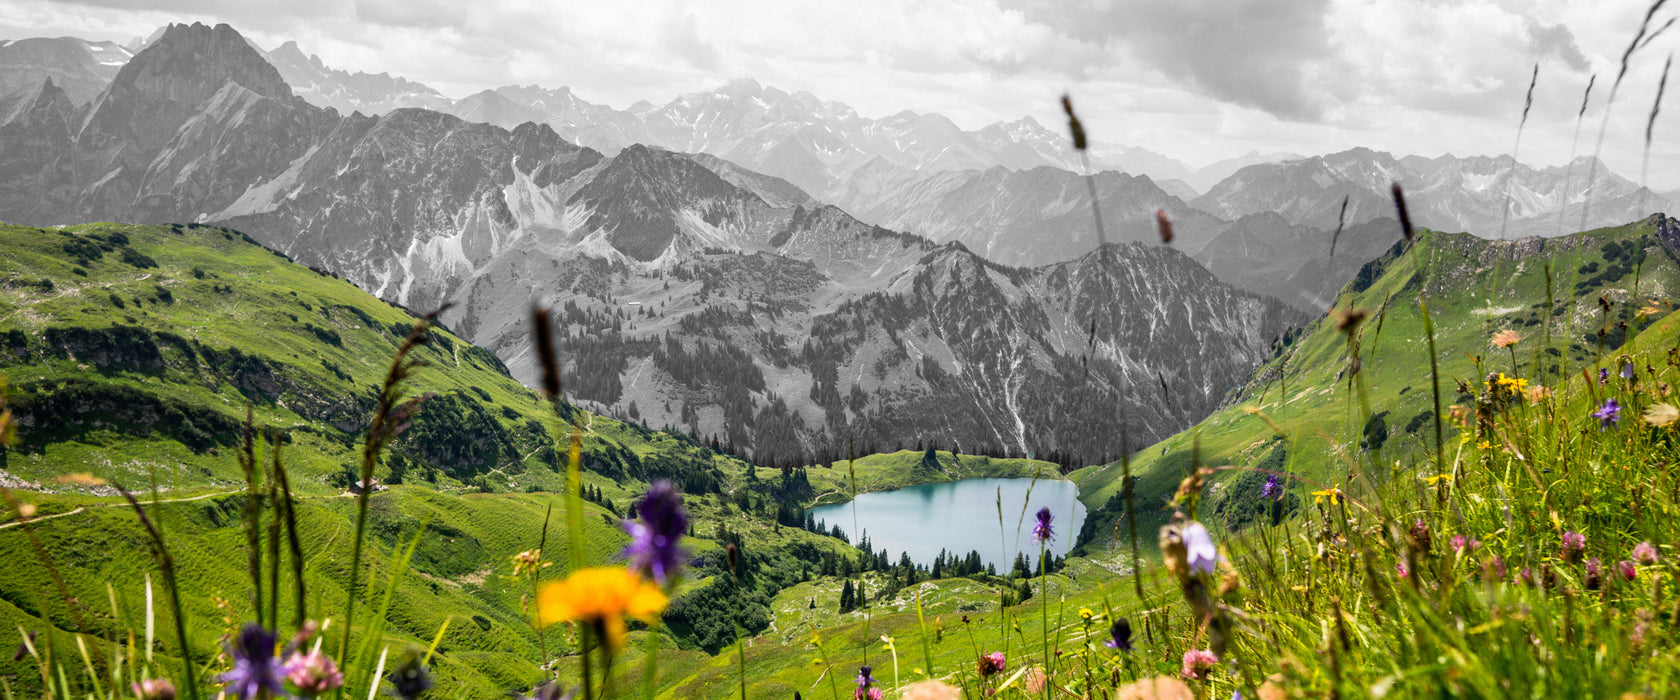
639, 197
48, 101
191, 62
171, 80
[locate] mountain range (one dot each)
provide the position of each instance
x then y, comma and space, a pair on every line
1492, 197
754, 125
727, 302
837, 156
79, 67
644, 220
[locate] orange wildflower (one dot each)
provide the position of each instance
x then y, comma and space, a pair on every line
602, 597
1505, 338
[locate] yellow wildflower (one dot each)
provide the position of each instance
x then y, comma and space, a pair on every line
529, 561
1514, 385
1484, 445
1438, 478
1086, 614
602, 596
1333, 493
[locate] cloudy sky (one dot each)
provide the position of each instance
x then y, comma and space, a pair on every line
1197, 80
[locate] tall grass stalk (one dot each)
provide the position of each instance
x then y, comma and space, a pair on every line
921, 626
536, 571
1610, 101
274, 521
250, 513
166, 562
287, 506
391, 416
376, 628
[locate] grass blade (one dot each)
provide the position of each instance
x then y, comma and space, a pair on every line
376, 628
166, 562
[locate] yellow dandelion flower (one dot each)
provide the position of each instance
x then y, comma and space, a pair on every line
1438, 478
1086, 614
602, 596
1333, 493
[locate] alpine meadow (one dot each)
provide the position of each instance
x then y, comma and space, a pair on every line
403, 370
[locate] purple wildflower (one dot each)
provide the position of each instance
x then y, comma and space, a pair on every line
1644, 553
1627, 569
255, 669
653, 546
1603, 375
1627, 371
410, 678
1272, 489
1120, 635
1199, 549
866, 689
1608, 414
1462, 544
991, 664
1042, 531
1419, 536
1198, 662
1574, 545
1496, 568
313, 673
1595, 574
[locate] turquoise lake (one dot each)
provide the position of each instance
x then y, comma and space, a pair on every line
959, 517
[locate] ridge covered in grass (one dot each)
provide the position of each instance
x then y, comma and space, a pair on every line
1474, 288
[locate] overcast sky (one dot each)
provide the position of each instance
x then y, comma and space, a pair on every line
1198, 80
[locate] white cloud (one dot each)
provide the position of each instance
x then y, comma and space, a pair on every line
1199, 80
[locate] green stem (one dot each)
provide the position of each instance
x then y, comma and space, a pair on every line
1044, 614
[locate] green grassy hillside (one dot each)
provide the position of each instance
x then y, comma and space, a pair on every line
1474, 289
132, 354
